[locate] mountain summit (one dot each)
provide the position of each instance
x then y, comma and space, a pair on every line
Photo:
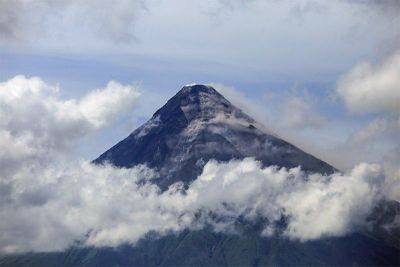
199, 124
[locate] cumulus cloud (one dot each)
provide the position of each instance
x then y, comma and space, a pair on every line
101, 106
105, 206
36, 124
310, 202
49, 209
368, 88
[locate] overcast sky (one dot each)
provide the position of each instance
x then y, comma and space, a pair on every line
291, 64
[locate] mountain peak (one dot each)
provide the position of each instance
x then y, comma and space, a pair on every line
196, 101
199, 93
195, 89
199, 124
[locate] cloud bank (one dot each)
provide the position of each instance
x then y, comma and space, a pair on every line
50, 199
49, 209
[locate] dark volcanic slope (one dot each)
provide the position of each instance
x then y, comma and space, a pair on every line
207, 248
199, 124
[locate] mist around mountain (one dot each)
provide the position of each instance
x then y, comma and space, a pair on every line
202, 183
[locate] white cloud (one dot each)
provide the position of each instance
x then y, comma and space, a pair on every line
37, 130
367, 88
35, 124
332, 208
105, 206
318, 207
103, 105
47, 209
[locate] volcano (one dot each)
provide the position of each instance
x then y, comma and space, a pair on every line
199, 124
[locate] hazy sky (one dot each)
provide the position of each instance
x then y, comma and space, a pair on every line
285, 59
